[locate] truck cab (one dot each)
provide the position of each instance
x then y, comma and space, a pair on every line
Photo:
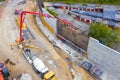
49, 76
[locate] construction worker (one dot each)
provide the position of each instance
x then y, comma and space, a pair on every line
4, 73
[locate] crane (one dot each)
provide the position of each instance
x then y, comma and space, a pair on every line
36, 63
37, 13
20, 41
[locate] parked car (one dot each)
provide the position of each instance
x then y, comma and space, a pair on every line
86, 65
96, 71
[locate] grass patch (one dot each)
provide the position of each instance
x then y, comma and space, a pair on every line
1, 5
115, 2
52, 12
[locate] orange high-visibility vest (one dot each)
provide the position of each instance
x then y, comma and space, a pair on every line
1, 76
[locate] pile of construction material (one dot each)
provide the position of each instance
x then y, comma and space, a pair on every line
26, 76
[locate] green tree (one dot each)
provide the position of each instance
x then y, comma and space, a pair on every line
101, 1
89, 1
104, 34
2, 0
52, 12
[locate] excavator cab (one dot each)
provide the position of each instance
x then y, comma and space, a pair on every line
49, 76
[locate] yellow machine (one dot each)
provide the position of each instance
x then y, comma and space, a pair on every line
38, 66
18, 22
22, 44
49, 76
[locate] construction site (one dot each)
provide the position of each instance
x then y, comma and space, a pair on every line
25, 51
35, 45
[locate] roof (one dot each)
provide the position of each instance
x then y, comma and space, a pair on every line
60, 4
82, 6
75, 11
109, 14
94, 14
109, 7
117, 17
91, 5
80, 25
74, 5
86, 17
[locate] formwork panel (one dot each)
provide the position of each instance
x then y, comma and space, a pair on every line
72, 34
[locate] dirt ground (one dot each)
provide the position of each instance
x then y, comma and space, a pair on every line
62, 69
84, 74
53, 58
8, 33
59, 57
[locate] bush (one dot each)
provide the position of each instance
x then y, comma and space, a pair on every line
104, 34
2, 0
52, 12
88, 1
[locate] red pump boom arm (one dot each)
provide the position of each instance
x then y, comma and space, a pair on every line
38, 13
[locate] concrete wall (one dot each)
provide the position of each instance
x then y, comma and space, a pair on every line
74, 35
51, 21
105, 57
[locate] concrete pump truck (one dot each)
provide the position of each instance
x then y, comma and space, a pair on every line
36, 63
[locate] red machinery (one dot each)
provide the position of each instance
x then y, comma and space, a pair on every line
1, 76
38, 13
20, 41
